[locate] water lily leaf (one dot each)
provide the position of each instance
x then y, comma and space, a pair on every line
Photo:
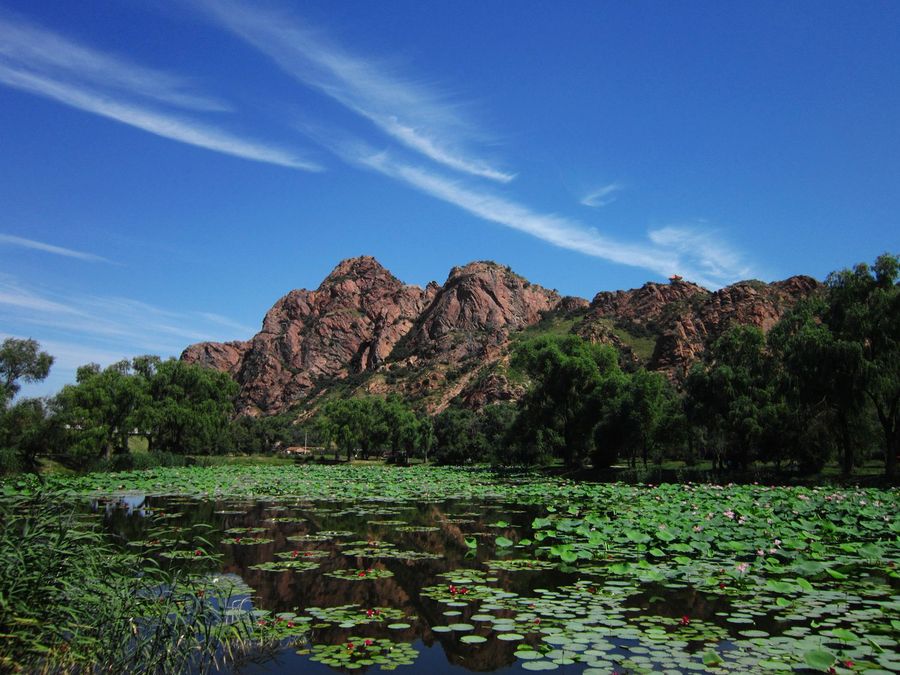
804, 584
819, 659
503, 542
844, 634
539, 665
711, 658
637, 537
871, 552
666, 535
568, 556
472, 639
808, 568
781, 586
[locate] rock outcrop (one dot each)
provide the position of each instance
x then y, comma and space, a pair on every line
475, 311
683, 318
452, 342
348, 325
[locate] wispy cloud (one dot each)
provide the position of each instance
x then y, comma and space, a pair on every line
703, 260
409, 112
40, 62
557, 230
14, 296
703, 251
114, 323
228, 323
601, 196
161, 124
12, 240
54, 55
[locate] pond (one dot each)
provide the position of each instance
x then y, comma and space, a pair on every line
526, 573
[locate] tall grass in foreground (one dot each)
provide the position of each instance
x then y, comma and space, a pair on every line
72, 602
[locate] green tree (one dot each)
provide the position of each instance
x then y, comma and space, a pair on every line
101, 410
734, 396
21, 360
863, 307
189, 408
573, 382
633, 422
27, 429
823, 385
345, 423
256, 435
458, 437
495, 423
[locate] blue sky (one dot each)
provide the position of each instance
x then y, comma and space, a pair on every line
169, 169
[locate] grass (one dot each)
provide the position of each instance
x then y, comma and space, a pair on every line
549, 326
70, 602
138, 444
642, 346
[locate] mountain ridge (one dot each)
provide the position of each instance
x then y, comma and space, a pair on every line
364, 330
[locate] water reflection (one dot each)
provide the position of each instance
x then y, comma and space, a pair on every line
381, 536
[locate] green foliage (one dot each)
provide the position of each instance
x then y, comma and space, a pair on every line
733, 396
644, 421
863, 309
190, 408
21, 360
463, 436
368, 424
180, 408
259, 435
458, 439
575, 383
102, 409
26, 430
71, 602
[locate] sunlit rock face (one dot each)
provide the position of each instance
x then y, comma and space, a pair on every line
349, 324
682, 318
452, 343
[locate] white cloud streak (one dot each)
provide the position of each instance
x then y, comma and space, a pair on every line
693, 254
711, 258
228, 323
12, 240
602, 196
160, 124
408, 112
121, 324
40, 62
56, 56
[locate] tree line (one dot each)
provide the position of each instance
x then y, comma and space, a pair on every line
822, 384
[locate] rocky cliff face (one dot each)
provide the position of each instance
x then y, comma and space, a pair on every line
348, 325
682, 318
466, 327
452, 342
475, 311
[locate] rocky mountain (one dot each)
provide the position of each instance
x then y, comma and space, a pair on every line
364, 330
348, 325
671, 324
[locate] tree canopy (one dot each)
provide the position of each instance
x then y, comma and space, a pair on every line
21, 361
